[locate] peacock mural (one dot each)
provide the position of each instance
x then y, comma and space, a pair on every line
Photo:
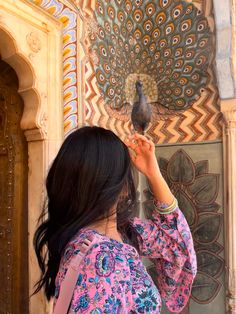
165, 44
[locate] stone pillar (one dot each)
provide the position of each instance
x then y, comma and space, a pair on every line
36, 177
228, 108
233, 60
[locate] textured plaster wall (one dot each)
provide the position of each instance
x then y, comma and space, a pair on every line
224, 47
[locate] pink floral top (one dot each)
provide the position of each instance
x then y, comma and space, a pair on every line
112, 278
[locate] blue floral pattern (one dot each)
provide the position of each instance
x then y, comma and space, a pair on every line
113, 280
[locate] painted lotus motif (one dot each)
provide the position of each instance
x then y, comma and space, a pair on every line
196, 191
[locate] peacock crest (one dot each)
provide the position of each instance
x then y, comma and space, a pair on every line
165, 44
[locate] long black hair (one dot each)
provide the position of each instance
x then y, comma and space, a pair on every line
85, 181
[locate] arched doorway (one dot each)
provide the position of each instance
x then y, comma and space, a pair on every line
33, 51
13, 197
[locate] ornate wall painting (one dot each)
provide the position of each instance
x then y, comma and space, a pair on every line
68, 16
194, 174
127, 50
202, 122
165, 44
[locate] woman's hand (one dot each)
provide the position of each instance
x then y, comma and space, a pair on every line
142, 154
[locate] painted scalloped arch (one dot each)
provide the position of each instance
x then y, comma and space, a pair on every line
68, 18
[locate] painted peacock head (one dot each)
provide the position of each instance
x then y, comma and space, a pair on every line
166, 44
139, 86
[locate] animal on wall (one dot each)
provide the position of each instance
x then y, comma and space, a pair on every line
166, 45
141, 112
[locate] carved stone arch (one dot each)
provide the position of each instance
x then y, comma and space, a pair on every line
9, 52
30, 42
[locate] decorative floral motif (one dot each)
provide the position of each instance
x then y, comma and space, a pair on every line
96, 311
146, 301
196, 191
83, 303
105, 264
34, 42
113, 305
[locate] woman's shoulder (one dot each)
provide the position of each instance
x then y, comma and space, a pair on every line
104, 258
101, 245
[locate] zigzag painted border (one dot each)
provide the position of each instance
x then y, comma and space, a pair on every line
70, 54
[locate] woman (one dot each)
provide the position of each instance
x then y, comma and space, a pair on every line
91, 195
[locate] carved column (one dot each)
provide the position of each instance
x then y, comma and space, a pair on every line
233, 19
228, 108
233, 46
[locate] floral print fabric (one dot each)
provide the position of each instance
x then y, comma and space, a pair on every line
112, 278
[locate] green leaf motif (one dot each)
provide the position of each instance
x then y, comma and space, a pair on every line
187, 207
208, 228
210, 263
201, 167
205, 188
214, 247
181, 168
213, 207
205, 288
163, 163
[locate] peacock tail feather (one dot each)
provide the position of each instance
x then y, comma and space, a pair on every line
167, 44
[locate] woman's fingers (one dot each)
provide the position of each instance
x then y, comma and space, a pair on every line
137, 146
131, 144
132, 150
141, 141
132, 156
140, 144
133, 139
145, 140
139, 136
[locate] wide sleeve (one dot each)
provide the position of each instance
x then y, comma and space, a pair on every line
167, 240
104, 283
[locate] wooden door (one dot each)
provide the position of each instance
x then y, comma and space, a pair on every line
13, 198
